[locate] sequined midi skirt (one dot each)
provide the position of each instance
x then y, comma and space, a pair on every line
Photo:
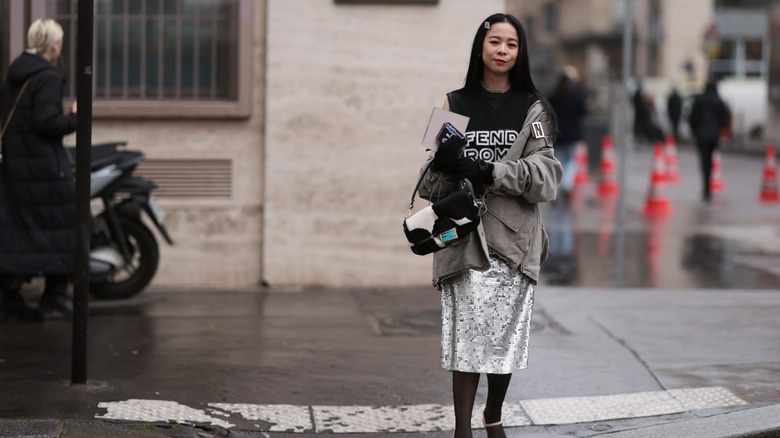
486, 320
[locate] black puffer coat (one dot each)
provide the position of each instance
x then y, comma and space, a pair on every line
37, 202
709, 115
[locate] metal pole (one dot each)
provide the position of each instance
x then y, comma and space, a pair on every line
623, 135
83, 166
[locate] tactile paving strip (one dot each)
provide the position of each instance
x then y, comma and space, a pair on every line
426, 417
584, 409
512, 415
284, 418
706, 398
641, 404
151, 411
413, 418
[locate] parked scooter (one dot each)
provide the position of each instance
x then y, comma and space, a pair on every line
124, 254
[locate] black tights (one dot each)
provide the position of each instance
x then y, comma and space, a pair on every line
464, 391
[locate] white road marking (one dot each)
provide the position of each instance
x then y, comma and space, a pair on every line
425, 417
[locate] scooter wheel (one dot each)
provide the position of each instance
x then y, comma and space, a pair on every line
132, 278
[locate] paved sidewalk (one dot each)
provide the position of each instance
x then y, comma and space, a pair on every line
260, 363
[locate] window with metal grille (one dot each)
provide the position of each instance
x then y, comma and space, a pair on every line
164, 57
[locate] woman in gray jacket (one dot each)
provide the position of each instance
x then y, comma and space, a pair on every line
487, 281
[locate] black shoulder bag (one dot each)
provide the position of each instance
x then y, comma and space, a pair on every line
443, 223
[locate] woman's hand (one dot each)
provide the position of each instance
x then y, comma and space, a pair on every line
74, 107
447, 155
446, 160
475, 170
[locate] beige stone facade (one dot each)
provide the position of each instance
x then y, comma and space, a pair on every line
321, 171
350, 88
218, 241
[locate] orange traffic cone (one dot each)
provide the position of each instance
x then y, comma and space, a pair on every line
716, 178
657, 203
608, 185
581, 161
769, 191
672, 173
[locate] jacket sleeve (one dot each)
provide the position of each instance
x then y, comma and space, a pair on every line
536, 175
48, 119
434, 185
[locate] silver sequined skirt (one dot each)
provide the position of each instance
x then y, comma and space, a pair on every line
486, 320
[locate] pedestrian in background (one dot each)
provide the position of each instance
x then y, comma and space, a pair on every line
37, 231
674, 112
646, 129
709, 116
568, 102
487, 283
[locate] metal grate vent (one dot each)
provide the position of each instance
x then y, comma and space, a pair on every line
189, 178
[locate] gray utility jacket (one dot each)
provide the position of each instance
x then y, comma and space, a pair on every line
512, 226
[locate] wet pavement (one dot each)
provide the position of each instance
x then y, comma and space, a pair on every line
272, 362
732, 242
679, 337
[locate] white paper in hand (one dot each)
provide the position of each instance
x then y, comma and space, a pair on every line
438, 118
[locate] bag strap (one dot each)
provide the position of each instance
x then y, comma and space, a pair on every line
13, 108
465, 182
417, 186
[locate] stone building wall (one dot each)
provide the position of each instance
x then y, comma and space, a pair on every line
350, 89
322, 170
218, 241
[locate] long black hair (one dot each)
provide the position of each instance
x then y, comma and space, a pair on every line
519, 75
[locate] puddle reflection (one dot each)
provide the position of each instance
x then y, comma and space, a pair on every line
561, 265
657, 253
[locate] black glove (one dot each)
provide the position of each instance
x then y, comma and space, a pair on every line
451, 144
474, 170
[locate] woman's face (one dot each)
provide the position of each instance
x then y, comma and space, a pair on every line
500, 49
55, 51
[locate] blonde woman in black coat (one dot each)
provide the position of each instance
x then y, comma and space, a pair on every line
37, 233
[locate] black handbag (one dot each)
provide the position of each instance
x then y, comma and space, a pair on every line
443, 223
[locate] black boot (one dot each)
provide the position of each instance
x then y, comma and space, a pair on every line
12, 306
55, 296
